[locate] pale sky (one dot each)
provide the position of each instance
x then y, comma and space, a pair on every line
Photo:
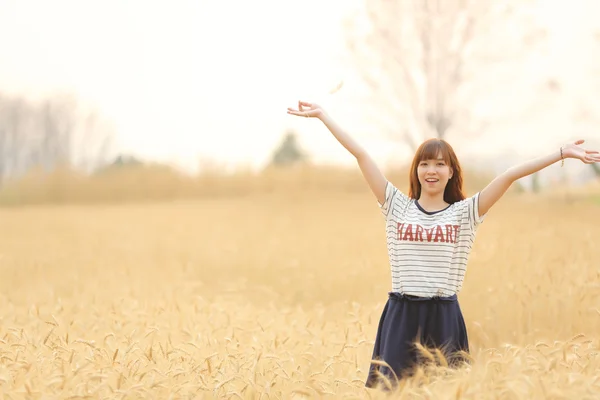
181, 80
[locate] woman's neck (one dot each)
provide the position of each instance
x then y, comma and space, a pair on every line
432, 203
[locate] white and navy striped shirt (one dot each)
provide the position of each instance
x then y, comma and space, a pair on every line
428, 251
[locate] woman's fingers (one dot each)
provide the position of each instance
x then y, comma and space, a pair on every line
302, 105
591, 159
302, 110
298, 113
297, 110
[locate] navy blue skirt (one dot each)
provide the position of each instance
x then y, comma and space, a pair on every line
433, 322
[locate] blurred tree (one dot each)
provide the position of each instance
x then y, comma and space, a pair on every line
415, 56
56, 132
119, 162
288, 152
123, 160
586, 111
535, 182
596, 167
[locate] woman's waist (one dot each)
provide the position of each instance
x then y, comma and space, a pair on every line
411, 297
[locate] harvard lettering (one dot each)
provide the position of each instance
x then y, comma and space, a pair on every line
437, 233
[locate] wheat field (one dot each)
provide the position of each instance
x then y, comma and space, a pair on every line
278, 296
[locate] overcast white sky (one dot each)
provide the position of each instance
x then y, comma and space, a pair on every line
182, 79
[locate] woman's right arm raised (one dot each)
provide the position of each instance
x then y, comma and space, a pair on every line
374, 177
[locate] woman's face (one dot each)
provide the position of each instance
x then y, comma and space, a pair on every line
433, 175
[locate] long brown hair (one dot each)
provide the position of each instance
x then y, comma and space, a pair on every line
429, 150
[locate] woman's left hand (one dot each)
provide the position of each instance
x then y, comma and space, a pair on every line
574, 150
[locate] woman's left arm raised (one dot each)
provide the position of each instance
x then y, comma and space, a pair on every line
496, 189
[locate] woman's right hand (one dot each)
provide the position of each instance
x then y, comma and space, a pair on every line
306, 109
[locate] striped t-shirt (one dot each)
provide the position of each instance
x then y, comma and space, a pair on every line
428, 251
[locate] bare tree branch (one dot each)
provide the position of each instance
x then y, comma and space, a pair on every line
416, 51
43, 136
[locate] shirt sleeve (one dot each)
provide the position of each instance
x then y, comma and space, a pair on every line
393, 198
474, 208
470, 212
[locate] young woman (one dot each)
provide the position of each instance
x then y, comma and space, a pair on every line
430, 233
